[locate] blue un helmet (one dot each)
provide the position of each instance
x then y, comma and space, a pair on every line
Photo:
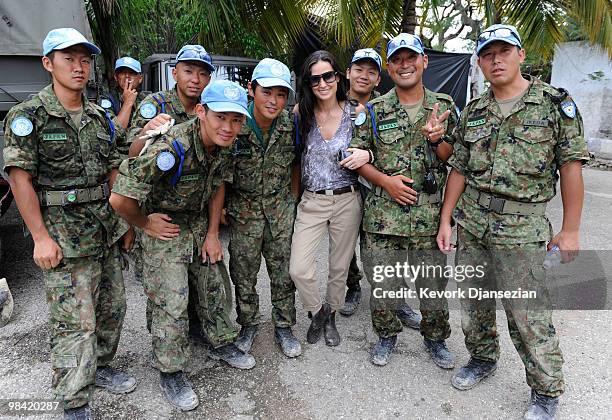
404, 40
498, 32
225, 96
270, 72
61, 38
128, 62
195, 53
368, 54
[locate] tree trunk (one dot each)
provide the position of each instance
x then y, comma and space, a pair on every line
409, 17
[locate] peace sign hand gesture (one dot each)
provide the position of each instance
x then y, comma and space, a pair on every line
434, 129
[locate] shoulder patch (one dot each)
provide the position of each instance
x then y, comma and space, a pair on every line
165, 161
21, 126
569, 108
360, 118
105, 103
148, 110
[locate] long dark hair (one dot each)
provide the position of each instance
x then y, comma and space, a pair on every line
308, 100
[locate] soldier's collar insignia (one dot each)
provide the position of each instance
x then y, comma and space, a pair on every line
360, 118
21, 126
148, 110
569, 108
165, 161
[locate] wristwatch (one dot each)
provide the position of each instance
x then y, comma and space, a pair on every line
439, 142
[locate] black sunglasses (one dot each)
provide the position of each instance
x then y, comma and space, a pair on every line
328, 77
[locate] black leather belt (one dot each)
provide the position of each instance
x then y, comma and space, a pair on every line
343, 190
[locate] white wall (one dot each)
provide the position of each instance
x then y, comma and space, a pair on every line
575, 68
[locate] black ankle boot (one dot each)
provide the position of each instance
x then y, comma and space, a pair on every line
332, 337
316, 325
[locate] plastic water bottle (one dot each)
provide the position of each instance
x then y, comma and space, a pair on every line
552, 259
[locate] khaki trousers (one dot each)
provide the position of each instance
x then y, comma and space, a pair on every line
340, 216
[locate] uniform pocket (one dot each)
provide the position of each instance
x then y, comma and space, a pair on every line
104, 144
479, 143
390, 136
533, 151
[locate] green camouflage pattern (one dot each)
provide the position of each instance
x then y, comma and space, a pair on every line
401, 149
262, 211
171, 266
172, 107
516, 158
87, 306
60, 156
388, 250
122, 145
511, 266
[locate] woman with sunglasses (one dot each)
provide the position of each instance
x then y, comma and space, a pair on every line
330, 201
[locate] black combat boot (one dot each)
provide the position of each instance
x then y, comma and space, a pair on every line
178, 391
332, 337
233, 356
245, 338
439, 353
114, 381
351, 301
381, 353
542, 407
472, 373
79, 413
316, 325
409, 317
290, 345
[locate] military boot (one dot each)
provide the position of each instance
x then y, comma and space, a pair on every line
332, 336
542, 407
351, 301
79, 413
381, 353
178, 390
245, 338
475, 371
233, 356
439, 353
114, 381
317, 324
409, 317
289, 344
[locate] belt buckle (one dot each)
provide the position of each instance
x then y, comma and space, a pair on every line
496, 204
329, 192
69, 197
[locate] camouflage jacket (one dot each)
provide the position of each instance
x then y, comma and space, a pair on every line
400, 148
112, 102
261, 188
61, 156
181, 190
516, 158
166, 102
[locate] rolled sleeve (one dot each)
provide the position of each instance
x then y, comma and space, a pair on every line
571, 145
132, 188
363, 135
461, 151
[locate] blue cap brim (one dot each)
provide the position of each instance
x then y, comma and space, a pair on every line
272, 82
209, 66
127, 66
367, 58
515, 42
228, 107
407, 47
91, 47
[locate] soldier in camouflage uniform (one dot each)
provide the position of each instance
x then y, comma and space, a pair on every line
60, 155
192, 74
398, 219
511, 143
262, 209
181, 176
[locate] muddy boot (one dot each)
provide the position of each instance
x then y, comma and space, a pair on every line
316, 325
351, 301
542, 407
79, 413
114, 381
409, 317
471, 374
245, 338
381, 353
178, 390
290, 346
439, 353
233, 356
332, 337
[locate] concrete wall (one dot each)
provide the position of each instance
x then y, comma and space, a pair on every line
586, 72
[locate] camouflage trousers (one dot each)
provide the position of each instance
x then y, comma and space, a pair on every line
86, 298
246, 247
167, 284
388, 250
530, 324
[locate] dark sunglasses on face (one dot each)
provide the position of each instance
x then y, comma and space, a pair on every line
328, 77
